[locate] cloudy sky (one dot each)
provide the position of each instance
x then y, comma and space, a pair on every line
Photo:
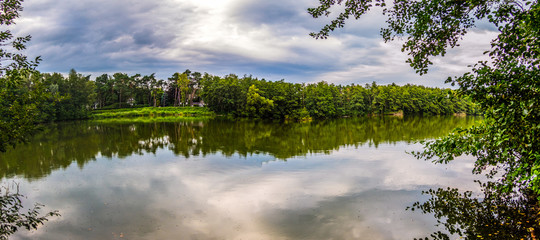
267, 39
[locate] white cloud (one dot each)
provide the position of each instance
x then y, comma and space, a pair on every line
265, 39
352, 193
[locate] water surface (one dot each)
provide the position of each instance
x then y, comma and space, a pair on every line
221, 179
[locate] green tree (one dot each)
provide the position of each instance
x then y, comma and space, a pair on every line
357, 100
224, 95
78, 96
143, 91
256, 105
183, 85
10, 56
194, 85
507, 88
20, 97
173, 90
156, 91
229, 95
12, 218
20, 100
104, 90
122, 87
321, 100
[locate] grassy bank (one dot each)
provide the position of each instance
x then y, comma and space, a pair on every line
158, 119
152, 112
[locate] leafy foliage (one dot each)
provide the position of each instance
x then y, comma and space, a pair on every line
183, 83
77, 95
257, 105
11, 45
509, 90
506, 146
251, 97
122, 90
20, 98
21, 104
430, 27
11, 216
24, 101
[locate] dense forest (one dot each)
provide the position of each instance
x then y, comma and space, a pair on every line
251, 97
74, 96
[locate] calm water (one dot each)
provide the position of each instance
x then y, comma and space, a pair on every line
220, 179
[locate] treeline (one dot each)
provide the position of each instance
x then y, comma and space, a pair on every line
74, 96
60, 98
251, 97
121, 90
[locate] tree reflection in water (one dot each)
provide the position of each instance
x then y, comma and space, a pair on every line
492, 215
61, 144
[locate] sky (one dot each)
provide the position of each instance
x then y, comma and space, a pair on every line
265, 39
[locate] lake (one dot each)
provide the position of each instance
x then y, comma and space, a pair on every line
175, 178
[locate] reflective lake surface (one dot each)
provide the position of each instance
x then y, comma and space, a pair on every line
221, 179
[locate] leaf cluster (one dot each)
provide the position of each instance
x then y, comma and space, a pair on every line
10, 56
12, 216
507, 88
430, 27
22, 102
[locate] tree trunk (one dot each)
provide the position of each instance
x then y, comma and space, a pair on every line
178, 96
120, 99
192, 96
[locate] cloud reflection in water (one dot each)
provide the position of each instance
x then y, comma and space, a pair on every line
353, 192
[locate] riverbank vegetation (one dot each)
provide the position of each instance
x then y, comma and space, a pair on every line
76, 96
507, 87
151, 112
506, 146
251, 97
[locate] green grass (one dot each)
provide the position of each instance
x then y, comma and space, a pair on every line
159, 119
152, 112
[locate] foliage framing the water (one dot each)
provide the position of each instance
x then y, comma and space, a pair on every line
20, 99
21, 106
507, 145
11, 216
487, 216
